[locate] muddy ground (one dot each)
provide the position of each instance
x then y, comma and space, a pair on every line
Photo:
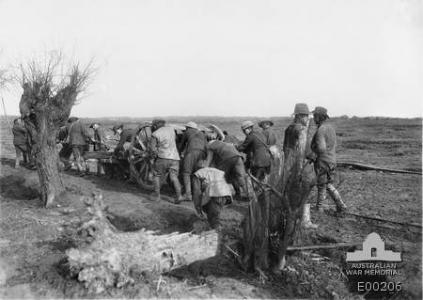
32, 243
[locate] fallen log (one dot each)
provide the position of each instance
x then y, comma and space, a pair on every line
105, 257
360, 166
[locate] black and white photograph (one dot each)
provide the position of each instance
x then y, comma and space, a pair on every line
211, 149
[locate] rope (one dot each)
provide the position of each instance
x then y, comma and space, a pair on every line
363, 167
383, 220
266, 186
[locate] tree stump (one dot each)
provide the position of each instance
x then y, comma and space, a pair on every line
295, 184
278, 207
104, 257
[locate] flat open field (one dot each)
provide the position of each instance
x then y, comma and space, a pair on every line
31, 243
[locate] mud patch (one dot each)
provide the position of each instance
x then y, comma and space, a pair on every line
18, 188
163, 220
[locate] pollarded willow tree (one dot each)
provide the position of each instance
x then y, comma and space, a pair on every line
50, 90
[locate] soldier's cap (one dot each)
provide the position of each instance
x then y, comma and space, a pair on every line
156, 122
218, 131
92, 124
116, 127
320, 110
247, 124
301, 109
261, 123
191, 125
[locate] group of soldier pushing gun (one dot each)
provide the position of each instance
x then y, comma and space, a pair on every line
213, 163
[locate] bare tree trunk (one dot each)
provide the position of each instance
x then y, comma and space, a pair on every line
43, 136
50, 90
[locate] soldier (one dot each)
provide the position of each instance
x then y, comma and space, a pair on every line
63, 138
194, 144
20, 141
210, 193
163, 145
125, 137
323, 146
99, 137
300, 122
268, 132
225, 157
78, 136
255, 145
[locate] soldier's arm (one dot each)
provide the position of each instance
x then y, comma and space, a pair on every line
154, 145
243, 147
209, 158
184, 140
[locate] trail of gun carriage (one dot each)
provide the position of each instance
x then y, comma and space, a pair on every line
201, 207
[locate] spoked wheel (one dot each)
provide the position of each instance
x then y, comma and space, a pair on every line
141, 170
140, 163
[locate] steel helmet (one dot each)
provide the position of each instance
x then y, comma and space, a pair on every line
247, 124
191, 125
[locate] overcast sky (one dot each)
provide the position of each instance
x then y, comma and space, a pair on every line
229, 57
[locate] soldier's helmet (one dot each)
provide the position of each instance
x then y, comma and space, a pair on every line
247, 124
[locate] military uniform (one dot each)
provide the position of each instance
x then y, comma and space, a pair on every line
194, 142
66, 151
125, 137
270, 136
20, 141
227, 158
167, 161
260, 158
323, 146
99, 139
78, 135
210, 193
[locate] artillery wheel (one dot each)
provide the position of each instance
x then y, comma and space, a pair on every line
141, 171
140, 163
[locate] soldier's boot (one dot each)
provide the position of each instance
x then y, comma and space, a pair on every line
156, 193
80, 165
177, 186
17, 162
306, 219
321, 197
334, 194
187, 186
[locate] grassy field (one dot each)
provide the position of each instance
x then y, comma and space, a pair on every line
31, 246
